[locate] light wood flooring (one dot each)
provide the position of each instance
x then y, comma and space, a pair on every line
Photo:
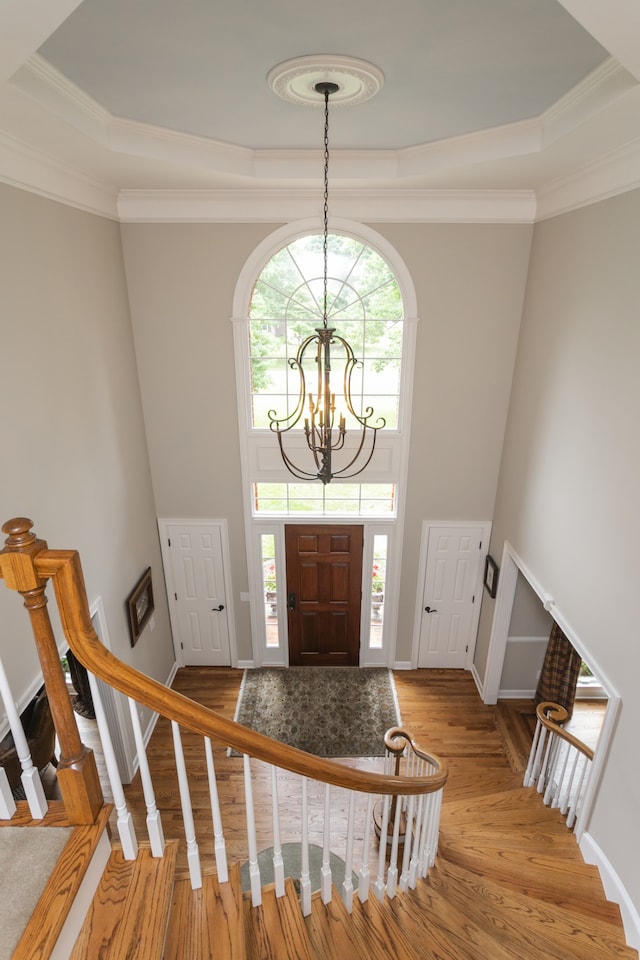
509, 881
442, 708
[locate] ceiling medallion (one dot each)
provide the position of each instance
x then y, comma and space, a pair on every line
296, 80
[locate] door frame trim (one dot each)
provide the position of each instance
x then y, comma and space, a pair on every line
221, 523
427, 526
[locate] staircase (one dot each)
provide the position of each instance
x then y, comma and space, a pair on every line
508, 880
509, 884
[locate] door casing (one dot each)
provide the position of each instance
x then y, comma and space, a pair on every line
430, 529
218, 527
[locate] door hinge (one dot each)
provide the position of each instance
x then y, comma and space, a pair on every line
169, 540
181, 645
473, 598
480, 545
176, 595
466, 649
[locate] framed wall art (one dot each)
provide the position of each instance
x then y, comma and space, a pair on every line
140, 605
491, 576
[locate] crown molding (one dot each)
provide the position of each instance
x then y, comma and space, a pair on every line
28, 169
281, 206
596, 91
615, 173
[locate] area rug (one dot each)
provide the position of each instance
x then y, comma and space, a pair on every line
327, 711
292, 862
27, 857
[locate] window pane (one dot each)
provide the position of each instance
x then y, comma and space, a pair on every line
378, 581
338, 499
269, 588
364, 305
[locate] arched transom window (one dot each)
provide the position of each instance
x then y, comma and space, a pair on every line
364, 304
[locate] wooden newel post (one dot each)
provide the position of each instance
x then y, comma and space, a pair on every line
77, 772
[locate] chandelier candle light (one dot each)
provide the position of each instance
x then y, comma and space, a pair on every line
323, 435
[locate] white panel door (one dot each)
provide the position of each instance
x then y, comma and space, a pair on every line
199, 595
450, 592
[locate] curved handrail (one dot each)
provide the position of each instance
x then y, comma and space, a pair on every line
63, 568
552, 715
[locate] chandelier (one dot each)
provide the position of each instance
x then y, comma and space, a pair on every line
329, 428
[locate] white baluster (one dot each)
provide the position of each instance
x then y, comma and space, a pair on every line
384, 827
252, 840
30, 776
278, 863
563, 800
347, 885
193, 855
551, 794
575, 806
124, 821
305, 880
325, 872
542, 776
218, 835
392, 872
154, 822
7, 803
552, 781
530, 772
363, 877
412, 843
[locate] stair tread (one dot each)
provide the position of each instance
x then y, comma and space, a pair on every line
440, 927
385, 935
519, 920
276, 930
52, 909
562, 881
331, 932
207, 923
130, 908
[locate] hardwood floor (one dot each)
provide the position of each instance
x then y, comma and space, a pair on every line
441, 707
509, 881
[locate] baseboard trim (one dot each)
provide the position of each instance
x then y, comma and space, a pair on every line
250, 664
613, 888
401, 665
476, 679
516, 694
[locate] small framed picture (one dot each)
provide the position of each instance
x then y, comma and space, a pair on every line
140, 605
491, 575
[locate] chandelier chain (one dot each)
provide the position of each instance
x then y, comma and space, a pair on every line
326, 204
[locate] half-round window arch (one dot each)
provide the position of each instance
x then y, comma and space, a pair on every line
369, 297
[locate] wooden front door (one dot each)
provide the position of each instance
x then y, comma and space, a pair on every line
324, 583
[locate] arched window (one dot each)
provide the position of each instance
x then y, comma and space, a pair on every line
364, 304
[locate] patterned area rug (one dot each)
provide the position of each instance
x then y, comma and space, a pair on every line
327, 711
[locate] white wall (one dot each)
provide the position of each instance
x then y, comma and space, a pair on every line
568, 491
72, 446
470, 285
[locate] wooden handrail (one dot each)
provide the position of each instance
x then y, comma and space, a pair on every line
64, 570
552, 716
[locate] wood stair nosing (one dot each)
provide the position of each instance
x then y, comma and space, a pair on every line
574, 886
52, 909
385, 935
276, 929
207, 923
130, 910
445, 930
518, 918
331, 932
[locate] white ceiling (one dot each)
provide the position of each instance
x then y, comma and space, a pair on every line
500, 109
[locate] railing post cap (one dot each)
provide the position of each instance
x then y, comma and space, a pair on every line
19, 532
